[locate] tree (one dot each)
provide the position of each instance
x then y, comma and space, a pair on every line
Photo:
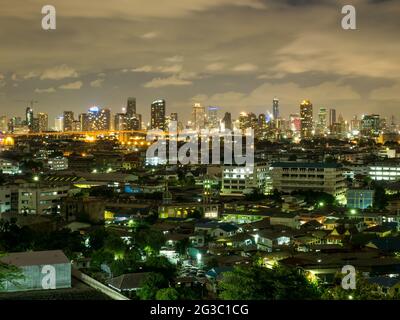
167, 294
160, 265
9, 273
150, 286
260, 283
363, 291
380, 198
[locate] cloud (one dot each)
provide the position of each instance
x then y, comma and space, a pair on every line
174, 59
164, 82
149, 35
390, 93
48, 90
72, 86
160, 69
217, 66
58, 73
245, 67
98, 83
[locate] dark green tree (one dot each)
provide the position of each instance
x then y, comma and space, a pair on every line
149, 287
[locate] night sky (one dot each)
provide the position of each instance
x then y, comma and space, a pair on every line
236, 54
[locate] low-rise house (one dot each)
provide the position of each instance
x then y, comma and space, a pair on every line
389, 286
268, 240
290, 220
128, 282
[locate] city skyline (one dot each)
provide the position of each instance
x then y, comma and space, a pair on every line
206, 53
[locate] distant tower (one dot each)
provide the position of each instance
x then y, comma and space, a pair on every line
306, 115
227, 121
157, 119
198, 117
275, 108
29, 117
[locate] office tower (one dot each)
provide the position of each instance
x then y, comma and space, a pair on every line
76, 126
14, 123
68, 120
213, 121
275, 108
198, 117
322, 121
120, 122
306, 116
355, 124
3, 124
131, 107
157, 119
247, 120
370, 125
59, 124
174, 116
262, 120
43, 122
99, 119
227, 121
29, 117
332, 117
84, 120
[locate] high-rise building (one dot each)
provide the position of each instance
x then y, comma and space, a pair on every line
131, 107
157, 119
76, 126
3, 124
99, 119
322, 122
275, 108
306, 115
213, 121
120, 122
332, 117
371, 125
227, 121
198, 117
43, 119
295, 123
29, 117
59, 124
68, 120
84, 120
174, 116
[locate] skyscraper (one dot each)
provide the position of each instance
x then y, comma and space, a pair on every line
212, 118
68, 120
120, 122
227, 121
332, 117
157, 119
322, 121
275, 108
99, 119
59, 124
306, 115
29, 117
84, 120
198, 117
43, 119
131, 107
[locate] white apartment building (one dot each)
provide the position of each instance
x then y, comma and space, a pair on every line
42, 200
57, 164
9, 167
385, 171
321, 177
239, 180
